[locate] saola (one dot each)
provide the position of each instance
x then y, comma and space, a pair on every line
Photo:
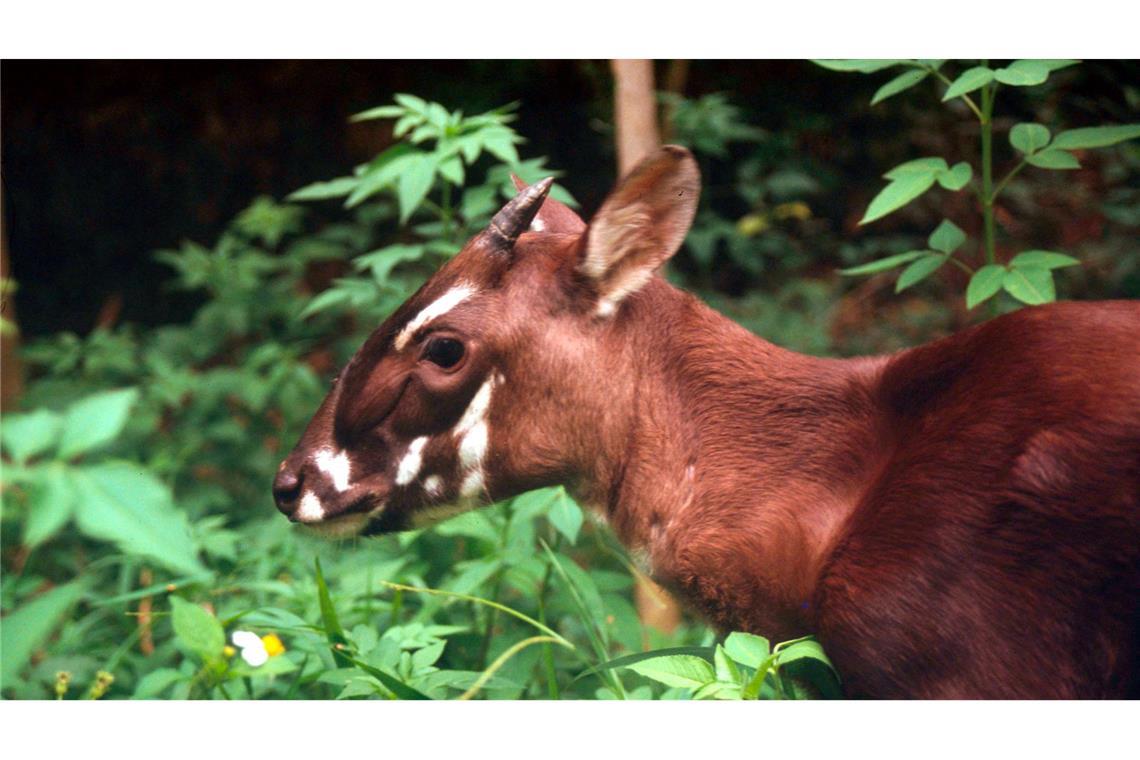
957, 520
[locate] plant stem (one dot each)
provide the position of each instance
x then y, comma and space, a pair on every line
987, 172
966, 98
1005, 180
548, 649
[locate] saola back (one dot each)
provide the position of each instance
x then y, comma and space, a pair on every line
957, 520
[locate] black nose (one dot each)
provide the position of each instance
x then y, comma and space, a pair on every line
287, 489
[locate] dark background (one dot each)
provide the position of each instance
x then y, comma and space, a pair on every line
106, 161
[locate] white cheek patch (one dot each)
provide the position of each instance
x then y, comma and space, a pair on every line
473, 447
537, 225
433, 485
472, 484
310, 509
409, 466
436, 308
336, 466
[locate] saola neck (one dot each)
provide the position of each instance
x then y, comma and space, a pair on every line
737, 454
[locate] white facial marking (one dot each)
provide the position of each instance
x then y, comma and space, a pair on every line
537, 225
310, 509
605, 308
472, 484
433, 485
336, 466
436, 308
473, 446
409, 466
476, 411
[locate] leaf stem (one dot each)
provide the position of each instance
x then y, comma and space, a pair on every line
968, 100
987, 173
1005, 180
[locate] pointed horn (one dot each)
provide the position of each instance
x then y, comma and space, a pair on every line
516, 216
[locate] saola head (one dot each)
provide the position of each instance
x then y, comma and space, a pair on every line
499, 373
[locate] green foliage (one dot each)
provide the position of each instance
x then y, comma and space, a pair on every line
1028, 283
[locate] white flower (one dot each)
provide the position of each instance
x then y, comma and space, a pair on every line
252, 647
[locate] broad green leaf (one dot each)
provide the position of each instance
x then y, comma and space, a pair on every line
411, 102
1023, 73
681, 670
719, 690
1096, 137
747, 649
919, 271
381, 262
984, 284
726, 669
805, 659
380, 112
868, 66
414, 184
319, 191
27, 627
452, 171
956, 177
501, 145
157, 681
968, 81
896, 195
705, 653
881, 265
1029, 138
903, 81
197, 629
1053, 64
94, 421
1031, 285
51, 503
125, 504
406, 123
566, 517
947, 237
1043, 260
29, 434
930, 165
381, 172
1053, 158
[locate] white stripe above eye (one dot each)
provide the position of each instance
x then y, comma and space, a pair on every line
435, 309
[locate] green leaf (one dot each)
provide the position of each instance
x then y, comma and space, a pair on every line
396, 686
1043, 260
1023, 73
125, 504
27, 628
747, 649
51, 503
867, 66
319, 191
947, 237
333, 631
984, 284
380, 112
157, 681
881, 265
414, 183
381, 172
956, 177
896, 195
1029, 138
903, 81
1053, 64
501, 145
411, 102
94, 421
1096, 137
968, 81
1053, 158
197, 629
24, 436
805, 659
452, 171
930, 165
381, 262
566, 517
681, 670
1030, 285
706, 653
919, 271
726, 669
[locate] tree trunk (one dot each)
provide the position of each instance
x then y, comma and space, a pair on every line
11, 369
637, 135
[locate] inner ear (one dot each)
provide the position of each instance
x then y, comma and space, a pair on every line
553, 216
641, 224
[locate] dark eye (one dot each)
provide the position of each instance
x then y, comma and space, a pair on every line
446, 352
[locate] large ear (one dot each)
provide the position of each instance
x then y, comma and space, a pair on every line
641, 224
553, 216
